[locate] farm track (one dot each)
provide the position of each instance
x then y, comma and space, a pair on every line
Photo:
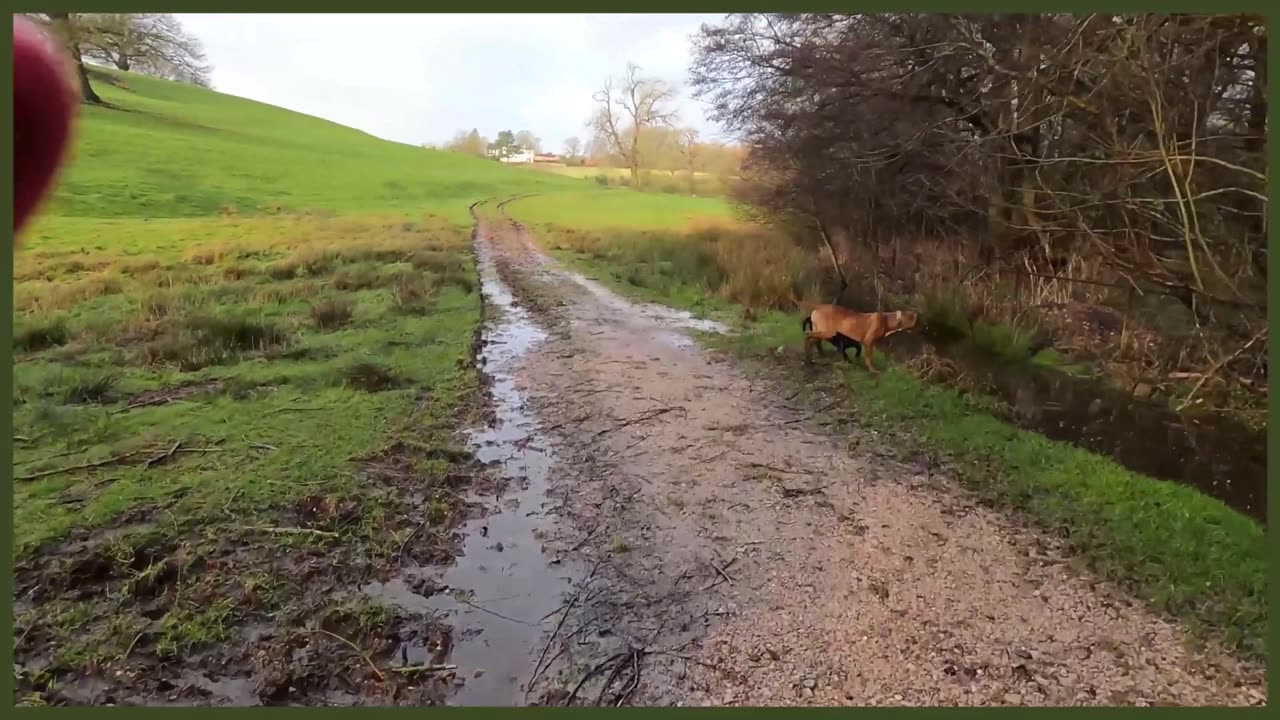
719, 548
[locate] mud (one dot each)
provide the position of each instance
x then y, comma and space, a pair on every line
735, 554
501, 588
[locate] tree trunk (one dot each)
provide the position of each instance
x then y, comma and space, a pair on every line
835, 258
122, 62
1258, 97
63, 25
634, 164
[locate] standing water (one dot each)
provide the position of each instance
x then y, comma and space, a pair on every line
502, 588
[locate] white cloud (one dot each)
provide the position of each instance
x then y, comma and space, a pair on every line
419, 78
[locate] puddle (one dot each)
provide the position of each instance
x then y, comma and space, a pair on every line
501, 586
658, 315
1221, 458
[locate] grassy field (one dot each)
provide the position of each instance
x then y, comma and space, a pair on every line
242, 345
1182, 551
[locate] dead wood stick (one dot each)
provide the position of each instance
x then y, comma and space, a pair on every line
642, 417
163, 457
73, 468
423, 668
362, 653
295, 531
144, 403
538, 669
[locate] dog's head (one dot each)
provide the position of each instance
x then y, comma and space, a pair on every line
903, 320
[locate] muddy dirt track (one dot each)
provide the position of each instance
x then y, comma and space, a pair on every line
702, 542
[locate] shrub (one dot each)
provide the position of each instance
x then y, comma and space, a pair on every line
332, 313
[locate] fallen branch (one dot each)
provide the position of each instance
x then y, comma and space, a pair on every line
165, 456
295, 531
73, 468
423, 668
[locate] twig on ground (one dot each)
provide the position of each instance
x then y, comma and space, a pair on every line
295, 531
362, 653
164, 456
145, 403
813, 414
295, 409
73, 468
538, 668
423, 668
483, 609
775, 468
722, 572
400, 551
641, 417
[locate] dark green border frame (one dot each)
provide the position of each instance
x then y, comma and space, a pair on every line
564, 6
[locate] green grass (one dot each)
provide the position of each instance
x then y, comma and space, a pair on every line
618, 209
169, 150
1183, 552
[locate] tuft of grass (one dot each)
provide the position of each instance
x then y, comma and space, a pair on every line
90, 388
370, 377
332, 313
41, 334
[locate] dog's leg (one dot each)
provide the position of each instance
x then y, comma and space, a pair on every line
844, 352
867, 359
811, 338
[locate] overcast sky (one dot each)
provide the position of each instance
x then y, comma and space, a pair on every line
421, 78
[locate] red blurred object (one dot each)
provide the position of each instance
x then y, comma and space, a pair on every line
44, 101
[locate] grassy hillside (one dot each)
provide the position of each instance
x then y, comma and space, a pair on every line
171, 150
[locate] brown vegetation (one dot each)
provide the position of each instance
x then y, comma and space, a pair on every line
1018, 164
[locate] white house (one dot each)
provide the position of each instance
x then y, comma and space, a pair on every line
520, 156
506, 155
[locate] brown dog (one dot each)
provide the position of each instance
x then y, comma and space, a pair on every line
839, 325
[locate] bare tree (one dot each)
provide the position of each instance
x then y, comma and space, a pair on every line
627, 108
150, 43
687, 142
1079, 158
529, 141
572, 147
469, 142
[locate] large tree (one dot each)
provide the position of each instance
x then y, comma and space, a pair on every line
469, 142
504, 145
572, 147
66, 28
627, 107
529, 141
150, 43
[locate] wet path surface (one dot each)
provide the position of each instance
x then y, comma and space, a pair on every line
682, 535
503, 588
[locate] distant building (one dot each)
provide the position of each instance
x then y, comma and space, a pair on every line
508, 156
546, 158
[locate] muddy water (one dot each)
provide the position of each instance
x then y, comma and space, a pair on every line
1222, 459
502, 588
